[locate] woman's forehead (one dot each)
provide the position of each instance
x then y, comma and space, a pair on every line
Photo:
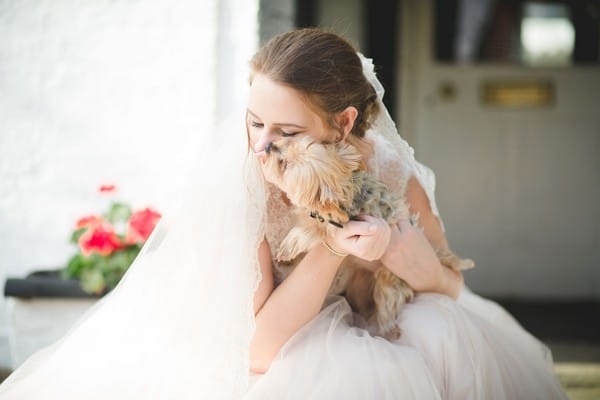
275, 103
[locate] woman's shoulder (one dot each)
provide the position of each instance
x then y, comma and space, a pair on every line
388, 161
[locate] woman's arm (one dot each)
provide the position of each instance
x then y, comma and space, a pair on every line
410, 255
265, 287
418, 202
283, 311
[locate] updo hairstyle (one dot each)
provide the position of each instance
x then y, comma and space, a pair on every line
324, 68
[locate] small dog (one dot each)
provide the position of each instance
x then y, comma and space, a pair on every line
328, 188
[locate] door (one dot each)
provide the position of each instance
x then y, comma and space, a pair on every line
514, 140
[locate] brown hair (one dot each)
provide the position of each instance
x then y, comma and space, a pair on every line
326, 69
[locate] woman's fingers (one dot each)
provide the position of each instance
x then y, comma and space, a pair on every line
375, 223
366, 238
404, 225
358, 228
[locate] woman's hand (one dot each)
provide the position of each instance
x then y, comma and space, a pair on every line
368, 238
411, 257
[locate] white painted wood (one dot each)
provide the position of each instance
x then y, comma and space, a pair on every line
518, 189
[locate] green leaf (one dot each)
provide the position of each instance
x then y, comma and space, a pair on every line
119, 212
74, 267
97, 272
92, 281
77, 234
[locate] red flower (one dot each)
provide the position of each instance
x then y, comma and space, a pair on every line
90, 220
107, 188
99, 238
141, 224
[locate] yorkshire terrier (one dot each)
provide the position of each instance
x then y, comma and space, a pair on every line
327, 185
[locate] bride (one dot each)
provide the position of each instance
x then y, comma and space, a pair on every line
205, 311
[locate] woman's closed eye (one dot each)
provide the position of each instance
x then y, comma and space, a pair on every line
283, 133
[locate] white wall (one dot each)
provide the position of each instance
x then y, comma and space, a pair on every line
104, 91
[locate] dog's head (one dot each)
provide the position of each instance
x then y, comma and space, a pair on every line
314, 175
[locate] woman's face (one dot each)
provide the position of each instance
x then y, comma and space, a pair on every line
276, 111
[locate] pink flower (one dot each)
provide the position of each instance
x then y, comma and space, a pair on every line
90, 220
99, 238
141, 224
107, 188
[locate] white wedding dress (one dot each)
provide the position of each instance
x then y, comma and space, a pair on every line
465, 349
180, 322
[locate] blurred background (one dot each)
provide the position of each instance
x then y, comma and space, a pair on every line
499, 97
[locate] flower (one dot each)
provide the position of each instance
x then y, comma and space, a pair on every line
108, 243
100, 238
107, 188
88, 221
141, 224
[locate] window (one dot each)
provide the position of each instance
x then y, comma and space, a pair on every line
534, 33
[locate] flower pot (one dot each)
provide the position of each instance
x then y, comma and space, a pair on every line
41, 308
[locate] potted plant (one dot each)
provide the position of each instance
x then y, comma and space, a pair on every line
108, 244
45, 304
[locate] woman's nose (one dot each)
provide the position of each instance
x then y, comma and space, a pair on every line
262, 142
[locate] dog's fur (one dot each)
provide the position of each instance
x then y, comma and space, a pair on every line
325, 183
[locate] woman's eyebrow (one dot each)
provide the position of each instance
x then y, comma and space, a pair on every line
277, 123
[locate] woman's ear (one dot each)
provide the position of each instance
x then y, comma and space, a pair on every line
345, 120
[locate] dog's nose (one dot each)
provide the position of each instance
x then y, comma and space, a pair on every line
268, 147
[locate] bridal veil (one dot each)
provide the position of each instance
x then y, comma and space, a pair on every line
179, 324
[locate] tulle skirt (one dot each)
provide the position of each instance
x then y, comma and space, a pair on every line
465, 349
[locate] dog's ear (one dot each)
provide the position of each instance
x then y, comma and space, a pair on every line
349, 155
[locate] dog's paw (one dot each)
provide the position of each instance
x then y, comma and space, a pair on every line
392, 333
295, 243
285, 254
451, 260
465, 263
407, 293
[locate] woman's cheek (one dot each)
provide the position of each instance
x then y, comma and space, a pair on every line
252, 137
266, 176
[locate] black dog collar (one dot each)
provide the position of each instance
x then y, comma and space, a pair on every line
316, 215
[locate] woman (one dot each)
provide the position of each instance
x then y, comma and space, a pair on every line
204, 312
309, 82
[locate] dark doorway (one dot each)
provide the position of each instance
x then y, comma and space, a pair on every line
382, 28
